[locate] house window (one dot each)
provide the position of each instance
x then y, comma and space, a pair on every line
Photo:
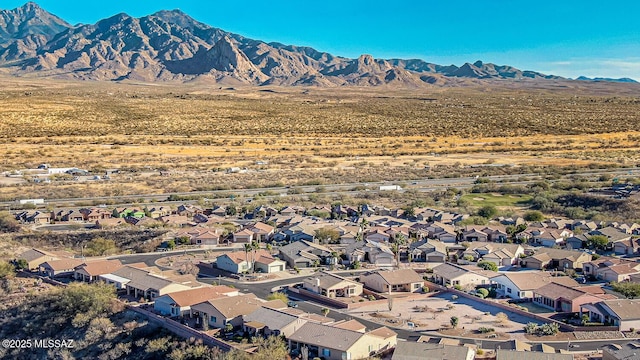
509, 290
326, 352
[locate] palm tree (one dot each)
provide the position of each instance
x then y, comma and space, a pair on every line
247, 248
255, 246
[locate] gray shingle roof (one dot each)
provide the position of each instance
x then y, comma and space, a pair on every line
326, 336
274, 319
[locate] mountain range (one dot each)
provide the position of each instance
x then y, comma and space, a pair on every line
172, 46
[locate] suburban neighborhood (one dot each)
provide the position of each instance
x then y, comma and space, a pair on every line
431, 286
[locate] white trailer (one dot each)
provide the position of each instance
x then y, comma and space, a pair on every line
390, 187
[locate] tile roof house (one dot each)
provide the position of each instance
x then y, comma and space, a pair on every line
622, 313
562, 298
353, 325
35, 257
201, 235
555, 259
402, 280
406, 350
143, 283
629, 246
230, 310
611, 269
262, 231
332, 343
179, 303
59, 268
266, 321
303, 254
551, 237
240, 261
90, 270
243, 236
466, 277
332, 285
521, 285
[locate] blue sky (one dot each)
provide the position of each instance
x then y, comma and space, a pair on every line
562, 37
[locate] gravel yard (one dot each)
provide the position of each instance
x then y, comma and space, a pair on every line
434, 313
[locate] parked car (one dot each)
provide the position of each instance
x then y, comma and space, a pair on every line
292, 304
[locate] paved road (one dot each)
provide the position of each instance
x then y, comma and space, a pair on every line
420, 185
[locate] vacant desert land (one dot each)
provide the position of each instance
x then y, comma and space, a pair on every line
290, 136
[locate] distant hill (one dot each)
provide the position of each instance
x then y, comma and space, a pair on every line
172, 46
620, 80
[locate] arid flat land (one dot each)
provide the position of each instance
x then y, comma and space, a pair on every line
293, 136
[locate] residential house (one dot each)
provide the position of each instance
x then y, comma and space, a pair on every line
110, 223
35, 257
407, 350
629, 246
72, 216
562, 298
614, 235
499, 254
243, 236
241, 261
95, 214
583, 226
618, 273
176, 221
519, 345
219, 211
302, 254
430, 251
332, 285
622, 313
158, 212
378, 254
353, 325
551, 237
465, 277
560, 259
530, 355
268, 264
496, 234
59, 268
129, 212
576, 242
219, 312
34, 217
378, 236
610, 269
472, 234
90, 271
179, 303
201, 235
142, 283
403, 280
262, 231
189, 210
266, 322
334, 343
521, 285
628, 351
503, 257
